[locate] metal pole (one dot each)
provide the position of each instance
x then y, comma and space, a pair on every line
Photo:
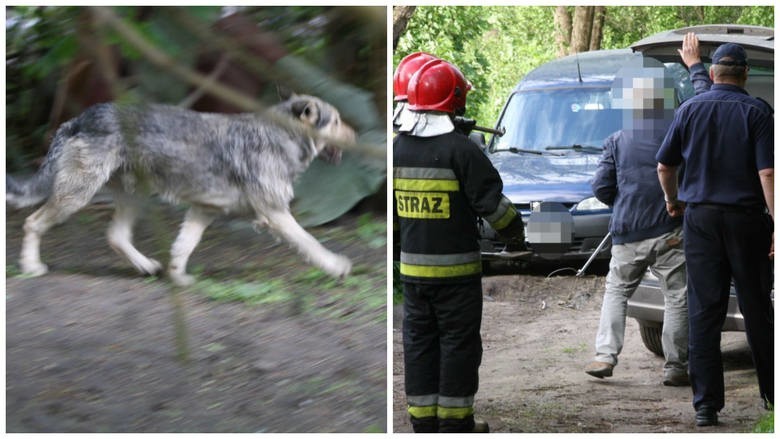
593, 256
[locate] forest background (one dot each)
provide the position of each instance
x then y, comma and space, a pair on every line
63, 59
495, 46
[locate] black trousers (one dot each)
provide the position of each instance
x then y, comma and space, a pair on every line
721, 243
442, 343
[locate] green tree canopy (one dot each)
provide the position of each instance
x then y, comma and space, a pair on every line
495, 46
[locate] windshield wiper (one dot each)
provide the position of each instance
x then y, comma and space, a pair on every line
577, 147
528, 151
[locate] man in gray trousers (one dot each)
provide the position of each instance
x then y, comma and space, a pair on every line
643, 234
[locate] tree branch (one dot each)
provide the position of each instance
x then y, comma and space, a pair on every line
236, 98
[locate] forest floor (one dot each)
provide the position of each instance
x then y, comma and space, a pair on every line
261, 343
538, 334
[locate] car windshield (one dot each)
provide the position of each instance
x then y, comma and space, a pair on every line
544, 120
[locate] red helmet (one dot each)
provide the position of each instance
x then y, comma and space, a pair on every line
438, 86
406, 68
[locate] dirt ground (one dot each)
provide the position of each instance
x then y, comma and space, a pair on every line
261, 343
538, 334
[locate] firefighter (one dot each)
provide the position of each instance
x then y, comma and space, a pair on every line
441, 183
403, 73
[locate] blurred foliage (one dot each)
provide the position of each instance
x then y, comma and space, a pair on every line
360, 296
495, 46
47, 46
766, 424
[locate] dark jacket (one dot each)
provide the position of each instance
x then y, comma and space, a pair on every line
738, 132
440, 185
626, 179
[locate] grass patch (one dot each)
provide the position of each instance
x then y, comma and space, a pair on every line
374, 429
767, 422
373, 232
253, 293
360, 295
12, 270
582, 347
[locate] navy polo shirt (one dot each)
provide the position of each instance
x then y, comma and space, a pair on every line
722, 138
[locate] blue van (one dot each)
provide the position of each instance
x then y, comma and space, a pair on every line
555, 123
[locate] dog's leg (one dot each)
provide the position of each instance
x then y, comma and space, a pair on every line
71, 191
55, 211
195, 222
80, 173
283, 224
34, 227
120, 234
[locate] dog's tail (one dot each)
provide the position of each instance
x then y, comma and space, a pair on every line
35, 189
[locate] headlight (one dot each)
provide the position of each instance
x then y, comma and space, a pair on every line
589, 204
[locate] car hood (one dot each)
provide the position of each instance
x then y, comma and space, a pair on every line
530, 177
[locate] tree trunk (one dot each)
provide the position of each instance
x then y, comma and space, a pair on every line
699, 12
597, 31
562, 21
401, 16
581, 27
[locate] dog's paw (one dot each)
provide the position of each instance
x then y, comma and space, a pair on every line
181, 279
34, 269
339, 267
148, 267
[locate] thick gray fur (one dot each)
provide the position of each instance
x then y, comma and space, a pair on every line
216, 163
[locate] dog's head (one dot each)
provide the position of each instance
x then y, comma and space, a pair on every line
325, 120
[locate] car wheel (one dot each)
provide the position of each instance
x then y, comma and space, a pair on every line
651, 337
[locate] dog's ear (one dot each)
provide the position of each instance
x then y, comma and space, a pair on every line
285, 93
306, 111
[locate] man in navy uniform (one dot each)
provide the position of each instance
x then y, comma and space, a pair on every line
724, 140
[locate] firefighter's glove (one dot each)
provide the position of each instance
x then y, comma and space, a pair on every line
514, 238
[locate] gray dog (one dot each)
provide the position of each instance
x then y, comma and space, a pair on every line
216, 163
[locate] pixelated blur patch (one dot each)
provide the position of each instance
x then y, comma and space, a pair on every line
644, 90
550, 227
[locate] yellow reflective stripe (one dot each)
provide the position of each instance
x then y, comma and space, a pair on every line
507, 218
422, 205
441, 270
423, 185
440, 259
454, 412
503, 205
422, 412
504, 214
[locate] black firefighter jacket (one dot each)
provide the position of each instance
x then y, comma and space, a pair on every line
440, 185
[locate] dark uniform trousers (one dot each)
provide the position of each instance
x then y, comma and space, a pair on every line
722, 242
442, 352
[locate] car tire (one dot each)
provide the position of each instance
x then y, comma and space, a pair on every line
651, 337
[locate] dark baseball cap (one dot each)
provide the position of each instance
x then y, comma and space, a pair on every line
730, 50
